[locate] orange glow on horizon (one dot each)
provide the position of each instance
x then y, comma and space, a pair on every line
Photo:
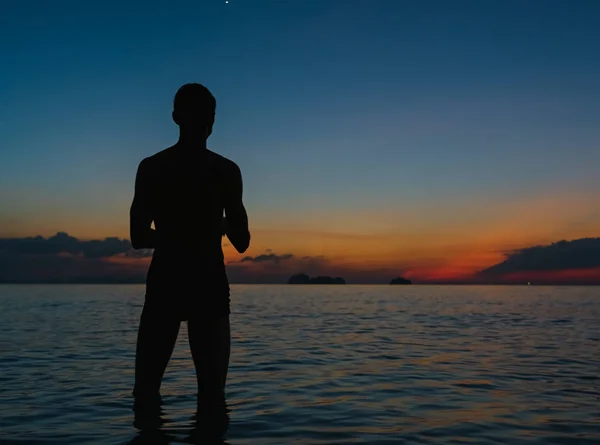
435, 241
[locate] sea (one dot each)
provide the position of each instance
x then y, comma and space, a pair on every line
314, 364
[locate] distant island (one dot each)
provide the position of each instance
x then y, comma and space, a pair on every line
400, 280
305, 279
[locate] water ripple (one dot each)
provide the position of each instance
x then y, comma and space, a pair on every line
316, 365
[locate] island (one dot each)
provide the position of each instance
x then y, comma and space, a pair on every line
400, 280
305, 279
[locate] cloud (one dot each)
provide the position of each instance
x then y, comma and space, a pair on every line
272, 257
61, 268
64, 243
580, 254
63, 258
274, 268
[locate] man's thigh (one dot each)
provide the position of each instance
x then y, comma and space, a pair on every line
210, 343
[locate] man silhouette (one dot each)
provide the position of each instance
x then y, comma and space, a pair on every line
185, 190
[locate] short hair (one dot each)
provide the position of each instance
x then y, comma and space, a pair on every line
196, 99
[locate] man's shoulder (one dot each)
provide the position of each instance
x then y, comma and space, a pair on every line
224, 163
159, 158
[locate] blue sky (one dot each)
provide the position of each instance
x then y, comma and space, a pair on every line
344, 108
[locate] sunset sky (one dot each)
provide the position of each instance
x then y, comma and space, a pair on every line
428, 139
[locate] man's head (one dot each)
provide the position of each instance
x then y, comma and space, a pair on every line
194, 108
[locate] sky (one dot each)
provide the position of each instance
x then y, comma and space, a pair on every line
434, 140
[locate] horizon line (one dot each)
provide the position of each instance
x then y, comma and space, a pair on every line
137, 283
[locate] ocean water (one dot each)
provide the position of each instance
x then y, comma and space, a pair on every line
315, 365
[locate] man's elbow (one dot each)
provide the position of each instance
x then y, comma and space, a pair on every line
242, 248
241, 243
138, 240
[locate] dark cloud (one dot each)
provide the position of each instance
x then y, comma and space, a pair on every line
65, 259
68, 268
271, 268
279, 268
64, 243
563, 255
268, 257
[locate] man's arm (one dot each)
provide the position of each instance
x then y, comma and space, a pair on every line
140, 215
236, 222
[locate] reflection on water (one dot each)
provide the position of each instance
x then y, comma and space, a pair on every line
207, 426
312, 365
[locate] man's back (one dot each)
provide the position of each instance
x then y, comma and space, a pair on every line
188, 192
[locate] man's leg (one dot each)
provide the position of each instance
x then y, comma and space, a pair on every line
156, 339
210, 343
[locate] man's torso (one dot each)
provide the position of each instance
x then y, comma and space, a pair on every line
188, 193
